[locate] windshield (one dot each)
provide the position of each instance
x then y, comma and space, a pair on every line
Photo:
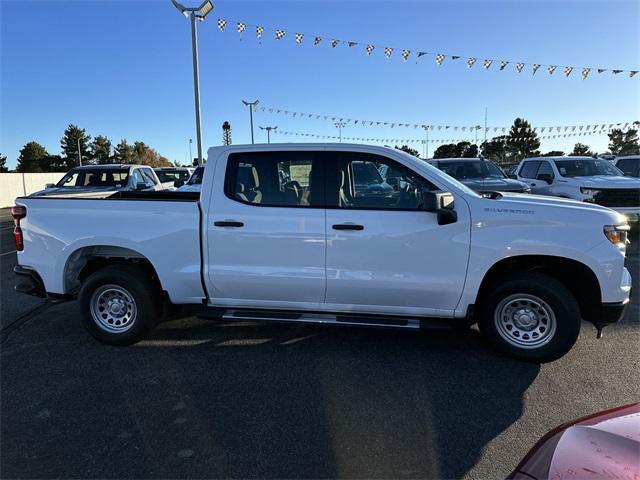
196, 178
586, 168
95, 177
366, 173
471, 169
172, 175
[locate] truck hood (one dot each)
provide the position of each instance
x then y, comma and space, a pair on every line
607, 181
495, 184
529, 203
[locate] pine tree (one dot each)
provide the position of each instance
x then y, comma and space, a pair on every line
69, 145
3, 163
123, 153
624, 143
101, 150
495, 149
33, 158
522, 141
581, 150
409, 150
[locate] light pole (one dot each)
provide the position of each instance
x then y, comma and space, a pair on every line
340, 126
196, 13
79, 152
251, 106
268, 129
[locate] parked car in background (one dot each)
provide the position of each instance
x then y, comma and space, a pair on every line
194, 182
98, 180
479, 174
252, 245
173, 177
509, 169
587, 179
602, 445
629, 165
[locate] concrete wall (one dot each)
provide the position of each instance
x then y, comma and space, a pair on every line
14, 185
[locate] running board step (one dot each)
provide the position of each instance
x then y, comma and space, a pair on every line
325, 318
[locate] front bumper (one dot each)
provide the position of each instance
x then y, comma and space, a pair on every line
611, 313
29, 282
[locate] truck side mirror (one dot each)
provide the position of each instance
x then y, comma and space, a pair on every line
178, 183
141, 186
545, 177
442, 203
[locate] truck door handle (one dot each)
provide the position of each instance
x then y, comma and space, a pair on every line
229, 223
348, 226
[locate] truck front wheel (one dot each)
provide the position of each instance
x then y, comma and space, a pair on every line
530, 316
119, 304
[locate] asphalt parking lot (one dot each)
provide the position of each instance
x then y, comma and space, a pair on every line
205, 399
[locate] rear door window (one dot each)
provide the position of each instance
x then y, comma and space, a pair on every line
545, 168
275, 179
529, 169
629, 166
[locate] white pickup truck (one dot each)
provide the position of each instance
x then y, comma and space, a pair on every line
289, 233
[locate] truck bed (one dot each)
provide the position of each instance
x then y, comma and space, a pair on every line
161, 227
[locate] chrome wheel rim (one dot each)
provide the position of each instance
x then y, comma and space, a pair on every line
525, 321
113, 308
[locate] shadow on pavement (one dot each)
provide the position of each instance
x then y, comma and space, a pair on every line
207, 399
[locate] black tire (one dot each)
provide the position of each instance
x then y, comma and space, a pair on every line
141, 298
529, 286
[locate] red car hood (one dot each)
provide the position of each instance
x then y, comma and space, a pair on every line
605, 445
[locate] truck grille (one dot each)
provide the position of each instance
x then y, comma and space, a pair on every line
619, 197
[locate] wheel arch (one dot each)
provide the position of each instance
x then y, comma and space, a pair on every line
579, 278
88, 259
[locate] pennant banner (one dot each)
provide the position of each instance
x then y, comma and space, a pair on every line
414, 140
333, 118
439, 58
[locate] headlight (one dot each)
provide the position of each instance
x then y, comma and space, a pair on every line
617, 234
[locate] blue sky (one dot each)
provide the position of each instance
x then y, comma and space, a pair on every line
123, 69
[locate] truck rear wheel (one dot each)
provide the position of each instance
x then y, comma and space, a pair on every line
530, 316
120, 304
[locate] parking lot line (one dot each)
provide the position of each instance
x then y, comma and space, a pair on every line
7, 253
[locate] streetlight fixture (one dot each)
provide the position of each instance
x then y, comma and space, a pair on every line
252, 106
340, 126
196, 13
426, 142
268, 129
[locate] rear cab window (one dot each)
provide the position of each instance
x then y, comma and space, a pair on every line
275, 179
529, 169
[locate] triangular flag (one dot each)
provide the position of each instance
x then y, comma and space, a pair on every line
440, 58
585, 73
405, 54
470, 62
259, 31
317, 40
222, 23
567, 71
503, 64
388, 51
487, 63
536, 66
370, 49
299, 37
241, 27
280, 34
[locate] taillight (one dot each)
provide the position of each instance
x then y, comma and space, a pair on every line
18, 212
